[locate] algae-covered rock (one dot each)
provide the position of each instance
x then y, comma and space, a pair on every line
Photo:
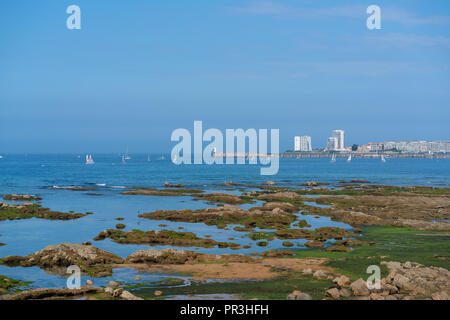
161, 237
89, 258
337, 248
314, 244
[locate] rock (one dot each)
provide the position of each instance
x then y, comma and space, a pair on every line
443, 295
310, 184
269, 183
402, 282
277, 211
20, 197
285, 206
376, 296
338, 248
61, 256
359, 288
407, 265
392, 265
113, 284
314, 244
359, 181
165, 256
45, 293
307, 271
158, 293
389, 289
168, 185
117, 292
390, 298
298, 295
344, 292
229, 184
320, 274
333, 293
342, 281
89, 282
109, 291
355, 243
138, 277
126, 295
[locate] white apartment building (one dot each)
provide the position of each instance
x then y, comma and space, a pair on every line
418, 146
332, 144
302, 143
339, 135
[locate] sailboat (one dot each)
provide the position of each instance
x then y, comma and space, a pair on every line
383, 159
333, 158
89, 159
123, 159
148, 158
1, 157
127, 157
349, 159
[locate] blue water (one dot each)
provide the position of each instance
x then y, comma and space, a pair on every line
48, 175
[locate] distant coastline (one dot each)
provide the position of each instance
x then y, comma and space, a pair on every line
355, 154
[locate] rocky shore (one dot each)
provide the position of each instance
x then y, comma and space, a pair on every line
30, 210
403, 230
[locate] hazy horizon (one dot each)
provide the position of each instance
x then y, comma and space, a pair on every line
136, 71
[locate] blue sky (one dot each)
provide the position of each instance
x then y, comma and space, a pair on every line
137, 70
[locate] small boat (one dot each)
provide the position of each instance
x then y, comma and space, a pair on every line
162, 158
148, 158
123, 159
333, 158
349, 159
383, 159
127, 156
1, 157
89, 159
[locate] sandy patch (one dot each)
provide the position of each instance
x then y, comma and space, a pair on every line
263, 269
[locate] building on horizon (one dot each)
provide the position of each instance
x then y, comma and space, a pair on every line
337, 141
339, 135
302, 143
417, 146
332, 144
371, 147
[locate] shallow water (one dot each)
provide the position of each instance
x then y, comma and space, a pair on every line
49, 176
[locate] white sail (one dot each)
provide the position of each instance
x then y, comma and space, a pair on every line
127, 156
383, 159
89, 159
333, 158
349, 159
